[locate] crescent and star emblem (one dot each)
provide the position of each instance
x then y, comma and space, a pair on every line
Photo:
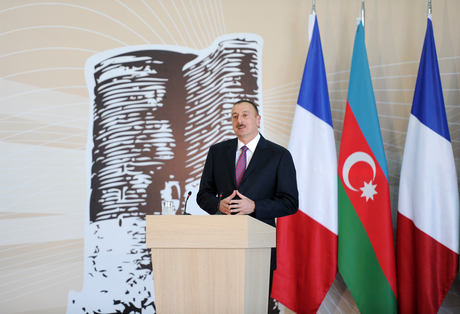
368, 189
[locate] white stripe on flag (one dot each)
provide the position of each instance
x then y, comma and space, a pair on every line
312, 147
428, 184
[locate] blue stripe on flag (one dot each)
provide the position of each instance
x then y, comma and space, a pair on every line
428, 103
313, 95
362, 101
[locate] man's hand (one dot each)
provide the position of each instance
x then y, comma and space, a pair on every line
243, 206
224, 205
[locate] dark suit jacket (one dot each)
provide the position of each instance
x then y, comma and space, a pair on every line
269, 180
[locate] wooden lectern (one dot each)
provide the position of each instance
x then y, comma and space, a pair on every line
210, 264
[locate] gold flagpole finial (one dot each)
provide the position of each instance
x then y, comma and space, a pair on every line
313, 7
362, 11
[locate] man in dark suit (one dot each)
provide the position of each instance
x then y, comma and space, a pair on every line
268, 187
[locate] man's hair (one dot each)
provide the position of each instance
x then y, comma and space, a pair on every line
249, 102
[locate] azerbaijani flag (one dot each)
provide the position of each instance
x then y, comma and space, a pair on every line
428, 209
366, 251
307, 240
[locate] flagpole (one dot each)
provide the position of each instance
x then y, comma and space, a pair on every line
429, 7
311, 21
362, 12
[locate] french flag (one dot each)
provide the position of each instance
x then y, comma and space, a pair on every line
307, 241
428, 209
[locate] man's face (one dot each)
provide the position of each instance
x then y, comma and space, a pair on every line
245, 122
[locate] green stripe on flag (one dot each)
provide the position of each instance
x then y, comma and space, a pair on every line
358, 263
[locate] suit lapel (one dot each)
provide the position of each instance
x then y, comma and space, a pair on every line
231, 153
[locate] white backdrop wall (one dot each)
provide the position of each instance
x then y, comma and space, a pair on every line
45, 106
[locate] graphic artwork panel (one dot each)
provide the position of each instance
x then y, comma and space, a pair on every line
156, 111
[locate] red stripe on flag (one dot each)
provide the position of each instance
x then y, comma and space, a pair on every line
307, 263
425, 268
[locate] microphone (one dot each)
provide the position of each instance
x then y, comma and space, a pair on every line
185, 206
218, 204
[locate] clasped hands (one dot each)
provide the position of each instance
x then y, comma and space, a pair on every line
242, 206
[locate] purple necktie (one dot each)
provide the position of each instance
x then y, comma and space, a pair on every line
241, 166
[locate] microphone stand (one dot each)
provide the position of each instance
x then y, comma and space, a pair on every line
185, 206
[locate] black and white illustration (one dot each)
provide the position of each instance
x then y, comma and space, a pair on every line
155, 112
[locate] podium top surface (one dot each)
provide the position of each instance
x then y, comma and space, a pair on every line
208, 231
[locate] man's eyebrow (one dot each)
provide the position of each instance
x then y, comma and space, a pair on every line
242, 111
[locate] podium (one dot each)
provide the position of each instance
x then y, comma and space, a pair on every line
210, 264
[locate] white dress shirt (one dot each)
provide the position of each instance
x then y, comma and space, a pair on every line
251, 149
